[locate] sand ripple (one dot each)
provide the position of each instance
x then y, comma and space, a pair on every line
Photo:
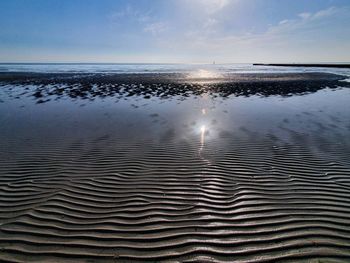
254, 202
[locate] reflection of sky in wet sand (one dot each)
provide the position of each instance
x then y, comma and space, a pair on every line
324, 114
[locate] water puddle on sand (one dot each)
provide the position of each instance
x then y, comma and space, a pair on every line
323, 114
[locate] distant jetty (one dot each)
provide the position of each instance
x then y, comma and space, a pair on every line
306, 65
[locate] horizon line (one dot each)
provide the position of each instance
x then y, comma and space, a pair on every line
168, 63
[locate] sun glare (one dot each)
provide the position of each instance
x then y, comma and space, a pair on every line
204, 74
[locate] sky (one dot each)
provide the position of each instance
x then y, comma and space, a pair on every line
175, 31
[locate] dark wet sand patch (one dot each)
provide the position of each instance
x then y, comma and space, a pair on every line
90, 86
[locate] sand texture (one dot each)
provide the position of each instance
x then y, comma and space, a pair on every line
211, 176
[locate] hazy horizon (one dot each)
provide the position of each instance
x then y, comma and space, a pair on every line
172, 63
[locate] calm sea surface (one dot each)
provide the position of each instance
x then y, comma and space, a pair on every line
158, 68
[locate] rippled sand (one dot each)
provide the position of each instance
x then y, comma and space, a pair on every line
201, 174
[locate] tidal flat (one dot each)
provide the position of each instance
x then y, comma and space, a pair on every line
246, 167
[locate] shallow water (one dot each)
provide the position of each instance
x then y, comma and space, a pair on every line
324, 115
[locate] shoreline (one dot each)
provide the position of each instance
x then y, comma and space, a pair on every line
167, 77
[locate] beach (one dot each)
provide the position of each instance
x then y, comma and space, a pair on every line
199, 165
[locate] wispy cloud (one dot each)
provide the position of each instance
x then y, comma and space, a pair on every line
147, 22
155, 28
204, 32
304, 21
295, 35
129, 13
213, 6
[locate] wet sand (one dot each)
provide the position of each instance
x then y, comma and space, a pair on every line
154, 167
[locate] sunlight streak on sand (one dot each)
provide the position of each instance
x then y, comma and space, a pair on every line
204, 74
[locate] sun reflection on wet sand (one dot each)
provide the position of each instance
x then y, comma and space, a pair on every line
203, 129
203, 132
204, 74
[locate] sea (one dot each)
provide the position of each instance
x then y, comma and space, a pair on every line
124, 68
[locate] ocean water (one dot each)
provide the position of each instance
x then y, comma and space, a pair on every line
158, 68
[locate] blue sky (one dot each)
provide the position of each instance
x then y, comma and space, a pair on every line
194, 31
